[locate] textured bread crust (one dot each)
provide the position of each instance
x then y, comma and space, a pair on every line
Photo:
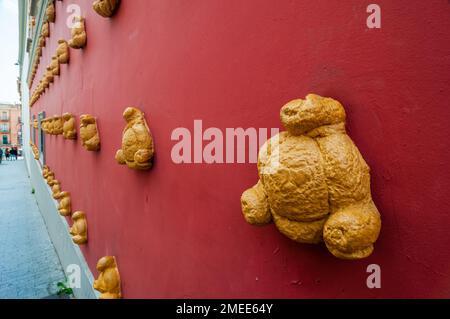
314, 184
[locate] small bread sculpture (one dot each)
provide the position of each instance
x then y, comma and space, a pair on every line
89, 133
78, 32
79, 228
54, 66
50, 126
314, 184
56, 189
45, 125
57, 125
50, 12
137, 143
45, 171
63, 52
106, 8
49, 75
45, 33
50, 178
35, 151
108, 282
69, 130
65, 204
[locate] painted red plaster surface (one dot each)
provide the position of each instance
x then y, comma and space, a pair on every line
177, 230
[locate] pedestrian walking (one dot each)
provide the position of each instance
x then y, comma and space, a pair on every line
1, 155
7, 154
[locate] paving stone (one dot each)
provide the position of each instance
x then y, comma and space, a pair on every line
29, 266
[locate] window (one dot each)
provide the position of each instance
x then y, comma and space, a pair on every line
41, 137
5, 140
4, 116
4, 127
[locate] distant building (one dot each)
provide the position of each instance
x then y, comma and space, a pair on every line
10, 125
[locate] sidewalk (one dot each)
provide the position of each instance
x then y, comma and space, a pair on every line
29, 266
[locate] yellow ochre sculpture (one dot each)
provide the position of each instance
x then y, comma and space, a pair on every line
57, 125
69, 130
137, 142
65, 204
79, 228
50, 178
314, 184
50, 12
45, 171
78, 32
54, 66
106, 8
90, 138
35, 151
63, 52
45, 33
108, 282
56, 189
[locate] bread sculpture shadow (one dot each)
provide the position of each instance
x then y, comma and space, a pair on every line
90, 138
79, 37
108, 282
314, 184
137, 143
106, 8
79, 228
69, 130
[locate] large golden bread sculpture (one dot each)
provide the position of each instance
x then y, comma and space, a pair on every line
137, 143
79, 228
108, 282
106, 8
90, 138
313, 182
78, 32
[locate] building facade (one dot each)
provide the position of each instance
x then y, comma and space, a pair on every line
202, 66
10, 125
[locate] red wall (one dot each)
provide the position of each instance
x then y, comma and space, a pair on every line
177, 230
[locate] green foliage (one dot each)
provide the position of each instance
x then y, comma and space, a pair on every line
64, 289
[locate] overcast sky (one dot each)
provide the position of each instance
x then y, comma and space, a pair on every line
9, 48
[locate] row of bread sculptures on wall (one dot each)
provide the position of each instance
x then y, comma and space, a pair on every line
137, 149
108, 282
313, 182
137, 152
105, 8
